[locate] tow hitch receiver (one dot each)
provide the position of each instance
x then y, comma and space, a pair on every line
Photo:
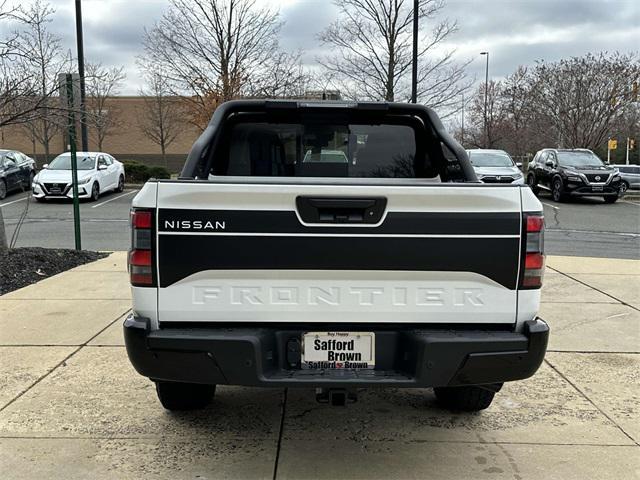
336, 397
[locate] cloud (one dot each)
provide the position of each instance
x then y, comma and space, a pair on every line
514, 31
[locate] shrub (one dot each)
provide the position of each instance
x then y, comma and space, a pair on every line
139, 172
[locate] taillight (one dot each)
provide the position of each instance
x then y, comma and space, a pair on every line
533, 254
141, 254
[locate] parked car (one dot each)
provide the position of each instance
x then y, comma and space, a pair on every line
574, 172
16, 171
630, 177
495, 166
325, 156
256, 268
98, 172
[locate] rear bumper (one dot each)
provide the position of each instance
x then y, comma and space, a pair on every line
405, 357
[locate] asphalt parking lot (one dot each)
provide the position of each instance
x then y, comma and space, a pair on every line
72, 407
580, 227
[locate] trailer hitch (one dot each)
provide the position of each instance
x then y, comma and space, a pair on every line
336, 397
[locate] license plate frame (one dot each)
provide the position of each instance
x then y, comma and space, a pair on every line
349, 351
597, 188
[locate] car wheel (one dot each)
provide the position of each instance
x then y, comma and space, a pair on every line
557, 190
611, 199
95, 192
467, 399
624, 186
531, 181
3, 190
184, 396
120, 184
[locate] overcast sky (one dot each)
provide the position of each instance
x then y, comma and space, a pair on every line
515, 32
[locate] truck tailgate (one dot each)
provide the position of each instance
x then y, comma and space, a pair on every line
246, 252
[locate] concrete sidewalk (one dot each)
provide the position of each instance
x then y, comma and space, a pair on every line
71, 406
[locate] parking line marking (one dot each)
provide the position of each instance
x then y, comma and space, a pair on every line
630, 202
552, 206
114, 198
593, 232
15, 201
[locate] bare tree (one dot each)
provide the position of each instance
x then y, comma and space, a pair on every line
581, 98
43, 57
213, 50
373, 53
496, 119
102, 113
284, 77
161, 119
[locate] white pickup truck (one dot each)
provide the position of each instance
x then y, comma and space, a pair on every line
336, 246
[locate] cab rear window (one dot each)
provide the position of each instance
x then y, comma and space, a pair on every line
318, 149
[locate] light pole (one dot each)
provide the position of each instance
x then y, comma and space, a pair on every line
462, 127
414, 66
486, 93
83, 91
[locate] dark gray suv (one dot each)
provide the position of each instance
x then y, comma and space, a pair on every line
575, 172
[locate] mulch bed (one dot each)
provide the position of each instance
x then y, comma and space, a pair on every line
20, 267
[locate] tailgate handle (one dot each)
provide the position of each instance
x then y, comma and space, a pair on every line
350, 210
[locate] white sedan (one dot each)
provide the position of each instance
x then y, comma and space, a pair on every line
97, 173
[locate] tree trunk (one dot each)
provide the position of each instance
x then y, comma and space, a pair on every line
3, 234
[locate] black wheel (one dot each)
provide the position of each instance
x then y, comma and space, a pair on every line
3, 190
557, 190
624, 186
184, 396
120, 184
467, 399
611, 199
533, 185
95, 192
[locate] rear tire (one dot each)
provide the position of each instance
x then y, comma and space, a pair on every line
611, 199
557, 190
177, 396
466, 399
120, 187
3, 190
533, 185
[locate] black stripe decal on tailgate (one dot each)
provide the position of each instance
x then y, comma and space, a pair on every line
183, 255
277, 221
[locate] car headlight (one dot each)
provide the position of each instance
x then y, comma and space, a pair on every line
574, 178
517, 176
84, 181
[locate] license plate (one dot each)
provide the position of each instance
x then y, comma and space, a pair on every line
597, 189
55, 191
338, 350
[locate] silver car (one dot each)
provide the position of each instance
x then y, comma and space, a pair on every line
495, 166
630, 177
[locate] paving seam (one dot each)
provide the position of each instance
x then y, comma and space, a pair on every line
594, 288
564, 377
192, 439
279, 445
13, 400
